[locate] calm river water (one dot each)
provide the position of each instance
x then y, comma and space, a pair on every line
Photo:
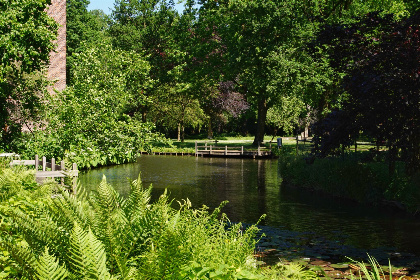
253, 188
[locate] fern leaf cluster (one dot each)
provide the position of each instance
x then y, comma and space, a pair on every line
105, 236
48, 268
87, 255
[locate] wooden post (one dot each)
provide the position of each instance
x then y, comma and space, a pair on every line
74, 185
36, 162
210, 148
242, 150
195, 148
225, 150
44, 163
62, 167
205, 146
53, 164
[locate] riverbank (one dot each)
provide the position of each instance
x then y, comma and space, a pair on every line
349, 177
355, 176
187, 147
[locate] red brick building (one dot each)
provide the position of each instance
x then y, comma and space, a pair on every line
57, 68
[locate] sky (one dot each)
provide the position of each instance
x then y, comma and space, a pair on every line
107, 5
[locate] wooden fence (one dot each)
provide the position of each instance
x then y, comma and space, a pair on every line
55, 170
229, 151
308, 144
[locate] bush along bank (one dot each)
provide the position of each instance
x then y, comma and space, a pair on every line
348, 177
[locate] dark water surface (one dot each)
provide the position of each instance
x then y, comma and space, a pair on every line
253, 188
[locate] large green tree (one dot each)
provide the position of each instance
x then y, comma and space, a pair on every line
26, 39
264, 40
154, 28
266, 46
84, 28
83, 25
92, 122
146, 27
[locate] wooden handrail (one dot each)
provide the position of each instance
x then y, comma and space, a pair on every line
57, 171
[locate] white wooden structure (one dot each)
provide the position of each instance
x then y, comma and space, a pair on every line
46, 169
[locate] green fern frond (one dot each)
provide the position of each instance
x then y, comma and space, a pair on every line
137, 201
106, 199
67, 209
131, 274
76, 254
48, 268
95, 251
39, 231
14, 180
115, 230
80, 192
218, 210
87, 254
20, 252
173, 222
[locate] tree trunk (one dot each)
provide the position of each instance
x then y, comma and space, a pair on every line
210, 130
182, 132
179, 132
274, 134
262, 116
182, 126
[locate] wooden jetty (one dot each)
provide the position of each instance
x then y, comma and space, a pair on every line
50, 169
228, 151
180, 154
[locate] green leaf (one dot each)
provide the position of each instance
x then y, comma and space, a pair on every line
48, 268
87, 254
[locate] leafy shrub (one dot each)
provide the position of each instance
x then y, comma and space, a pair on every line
19, 182
94, 121
347, 177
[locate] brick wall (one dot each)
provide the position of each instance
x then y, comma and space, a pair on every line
57, 68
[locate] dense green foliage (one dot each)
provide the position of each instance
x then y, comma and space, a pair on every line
106, 236
355, 176
84, 28
382, 85
226, 66
229, 65
27, 35
93, 122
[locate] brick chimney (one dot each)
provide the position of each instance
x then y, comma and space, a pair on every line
57, 67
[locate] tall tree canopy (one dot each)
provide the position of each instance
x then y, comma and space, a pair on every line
382, 61
26, 39
84, 29
261, 45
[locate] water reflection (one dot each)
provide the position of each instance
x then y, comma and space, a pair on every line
253, 188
